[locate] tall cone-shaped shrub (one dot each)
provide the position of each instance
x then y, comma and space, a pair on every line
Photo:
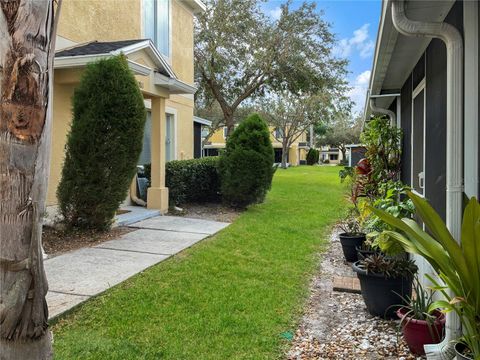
246, 166
103, 145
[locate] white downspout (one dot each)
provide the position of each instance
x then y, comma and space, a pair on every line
454, 43
379, 110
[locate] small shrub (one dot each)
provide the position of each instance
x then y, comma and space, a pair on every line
246, 166
326, 161
103, 145
313, 156
343, 162
195, 180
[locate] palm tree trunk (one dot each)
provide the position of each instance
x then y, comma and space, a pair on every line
27, 34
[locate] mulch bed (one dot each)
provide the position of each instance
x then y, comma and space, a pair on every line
336, 325
211, 211
56, 242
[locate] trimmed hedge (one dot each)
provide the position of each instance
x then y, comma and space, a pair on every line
313, 156
195, 180
246, 166
103, 145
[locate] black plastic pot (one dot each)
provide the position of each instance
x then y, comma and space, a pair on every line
349, 243
382, 295
459, 348
363, 253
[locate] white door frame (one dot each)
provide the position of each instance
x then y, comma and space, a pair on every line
420, 87
173, 113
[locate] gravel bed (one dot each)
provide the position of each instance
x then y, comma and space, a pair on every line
336, 325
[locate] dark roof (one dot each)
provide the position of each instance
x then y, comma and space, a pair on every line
97, 48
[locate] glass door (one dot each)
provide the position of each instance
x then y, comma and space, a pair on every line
170, 138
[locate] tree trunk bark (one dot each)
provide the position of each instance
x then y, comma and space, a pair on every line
343, 149
229, 122
27, 37
284, 154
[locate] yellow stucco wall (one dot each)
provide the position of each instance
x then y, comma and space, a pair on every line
217, 140
182, 42
107, 20
62, 118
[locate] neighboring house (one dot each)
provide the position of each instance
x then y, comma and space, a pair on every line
156, 36
296, 154
330, 155
356, 152
430, 90
200, 131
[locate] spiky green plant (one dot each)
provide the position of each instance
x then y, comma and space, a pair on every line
458, 265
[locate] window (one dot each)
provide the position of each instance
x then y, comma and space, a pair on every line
279, 133
156, 17
333, 157
225, 131
418, 138
170, 138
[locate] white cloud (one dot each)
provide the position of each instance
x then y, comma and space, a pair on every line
358, 91
360, 41
275, 13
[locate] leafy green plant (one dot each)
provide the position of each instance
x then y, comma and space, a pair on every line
458, 265
313, 156
246, 166
390, 267
419, 306
195, 180
383, 143
103, 145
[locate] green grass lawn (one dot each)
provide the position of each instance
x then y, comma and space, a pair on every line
237, 295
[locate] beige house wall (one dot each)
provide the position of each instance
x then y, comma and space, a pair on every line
83, 21
295, 154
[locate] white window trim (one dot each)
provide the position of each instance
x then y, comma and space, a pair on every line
471, 146
173, 112
170, 36
420, 87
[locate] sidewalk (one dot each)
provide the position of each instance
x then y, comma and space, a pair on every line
76, 276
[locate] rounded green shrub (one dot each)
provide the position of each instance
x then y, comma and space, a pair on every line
103, 145
313, 156
246, 165
193, 181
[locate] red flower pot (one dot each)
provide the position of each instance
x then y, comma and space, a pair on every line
417, 332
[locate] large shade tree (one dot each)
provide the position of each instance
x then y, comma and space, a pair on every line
27, 33
340, 132
240, 53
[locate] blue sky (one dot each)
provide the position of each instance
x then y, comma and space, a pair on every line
355, 23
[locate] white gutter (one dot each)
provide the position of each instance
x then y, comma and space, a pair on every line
379, 110
454, 43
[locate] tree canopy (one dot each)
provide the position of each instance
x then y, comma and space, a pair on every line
240, 53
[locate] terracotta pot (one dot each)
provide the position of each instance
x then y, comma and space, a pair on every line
418, 333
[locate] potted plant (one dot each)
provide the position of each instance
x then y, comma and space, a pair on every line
385, 281
350, 238
457, 264
419, 322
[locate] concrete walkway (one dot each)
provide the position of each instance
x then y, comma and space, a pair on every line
76, 276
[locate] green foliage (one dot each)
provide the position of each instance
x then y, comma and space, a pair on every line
103, 145
383, 143
346, 173
240, 53
246, 166
193, 181
458, 265
230, 297
390, 267
313, 156
419, 307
